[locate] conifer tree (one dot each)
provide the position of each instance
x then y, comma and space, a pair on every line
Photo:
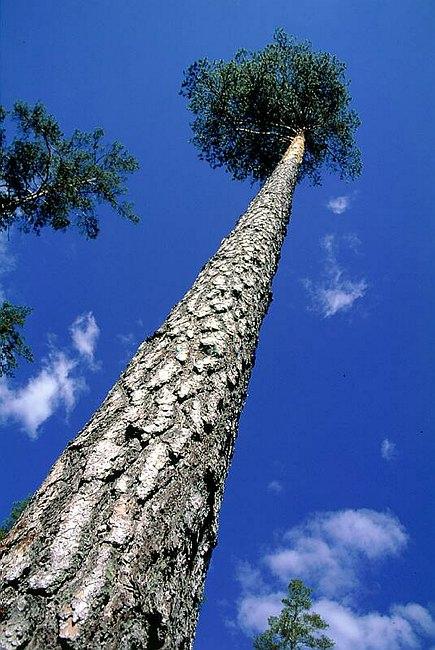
12, 343
113, 549
48, 180
296, 627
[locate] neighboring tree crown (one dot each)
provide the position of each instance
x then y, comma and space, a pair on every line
248, 109
49, 180
12, 344
296, 627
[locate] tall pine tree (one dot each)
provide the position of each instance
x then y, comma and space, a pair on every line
113, 549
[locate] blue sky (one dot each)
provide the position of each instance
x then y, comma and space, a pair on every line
332, 477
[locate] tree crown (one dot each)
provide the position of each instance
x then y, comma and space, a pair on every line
45, 178
248, 109
296, 627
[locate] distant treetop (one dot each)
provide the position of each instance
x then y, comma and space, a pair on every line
248, 109
297, 626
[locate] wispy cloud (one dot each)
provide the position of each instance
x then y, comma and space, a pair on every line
404, 626
254, 611
388, 449
249, 578
129, 343
335, 292
275, 487
329, 551
330, 548
53, 387
339, 204
56, 386
84, 334
128, 340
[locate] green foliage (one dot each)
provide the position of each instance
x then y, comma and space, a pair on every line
49, 180
16, 512
248, 109
295, 627
11, 342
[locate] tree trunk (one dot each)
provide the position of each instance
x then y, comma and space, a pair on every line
113, 549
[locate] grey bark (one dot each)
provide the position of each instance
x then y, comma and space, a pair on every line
113, 549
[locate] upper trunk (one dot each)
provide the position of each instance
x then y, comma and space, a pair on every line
112, 551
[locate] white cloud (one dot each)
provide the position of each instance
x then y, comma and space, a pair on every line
329, 548
327, 552
372, 533
403, 627
339, 204
342, 298
57, 385
418, 615
54, 387
84, 334
275, 487
249, 578
335, 292
254, 611
388, 449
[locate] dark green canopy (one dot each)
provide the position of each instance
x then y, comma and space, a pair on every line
248, 109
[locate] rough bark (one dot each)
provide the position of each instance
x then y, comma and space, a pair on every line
112, 551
